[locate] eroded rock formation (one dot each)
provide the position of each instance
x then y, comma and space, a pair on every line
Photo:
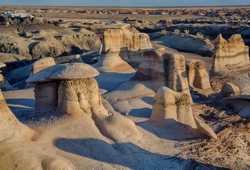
45, 90
16, 144
188, 43
230, 54
112, 62
119, 43
78, 94
151, 67
174, 101
198, 76
125, 38
176, 106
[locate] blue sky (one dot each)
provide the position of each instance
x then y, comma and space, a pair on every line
126, 2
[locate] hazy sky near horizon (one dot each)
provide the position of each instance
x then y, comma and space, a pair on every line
126, 2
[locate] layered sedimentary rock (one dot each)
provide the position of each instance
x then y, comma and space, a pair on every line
119, 42
151, 67
176, 73
164, 69
198, 76
125, 38
230, 54
176, 106
112, 62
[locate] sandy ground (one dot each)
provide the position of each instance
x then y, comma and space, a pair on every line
81, 142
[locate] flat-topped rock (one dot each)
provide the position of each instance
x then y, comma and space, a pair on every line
74, 71
64, 72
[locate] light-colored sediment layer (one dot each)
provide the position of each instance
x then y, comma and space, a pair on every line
230, 53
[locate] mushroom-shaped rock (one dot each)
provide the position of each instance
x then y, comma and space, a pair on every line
44, 75
176, 106
64, 72
72, 71
230, 89
81, 95
47, 82
45, 89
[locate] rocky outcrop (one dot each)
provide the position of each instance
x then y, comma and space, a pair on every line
78, 95
164, 69
14, 44
16, 144
151, 67
188, 43
112, 62
176, 106
45, 91
176, 73
173, 102
230, 54
53, 44
198, 76
125, 38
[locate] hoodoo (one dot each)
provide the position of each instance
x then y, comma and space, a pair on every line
230, 54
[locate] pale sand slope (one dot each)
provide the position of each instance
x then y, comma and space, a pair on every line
81, 142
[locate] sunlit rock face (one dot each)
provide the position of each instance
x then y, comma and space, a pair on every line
125, 38
198, 76
230, 54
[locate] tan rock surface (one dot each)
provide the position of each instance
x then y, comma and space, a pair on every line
125, 38
42, 64
176, 106
230, 54
198, 76
112, 62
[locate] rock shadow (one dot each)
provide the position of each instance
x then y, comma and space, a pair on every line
127, 155
24, 110
170, 129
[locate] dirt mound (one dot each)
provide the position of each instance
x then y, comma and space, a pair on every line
230, 150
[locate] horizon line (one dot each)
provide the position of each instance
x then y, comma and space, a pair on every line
123, 6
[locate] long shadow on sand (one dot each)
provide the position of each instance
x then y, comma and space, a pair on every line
127, 154
170, 129
110, 81
22, 108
